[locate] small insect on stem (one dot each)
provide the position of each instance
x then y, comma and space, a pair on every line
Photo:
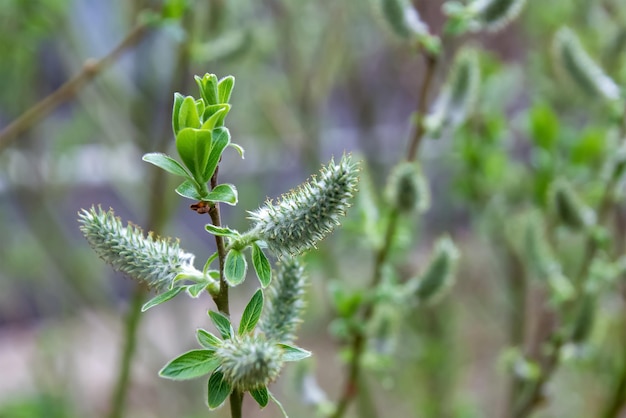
201, 207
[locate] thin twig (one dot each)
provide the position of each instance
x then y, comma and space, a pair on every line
91, 68
358, 344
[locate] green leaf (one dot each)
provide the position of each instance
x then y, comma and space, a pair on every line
226, 193
261, 396
235, 267
261, 265
189, 189
192, 364
163, 297
225, 88
178, 101
194, 148
221, 231
216, 119
194, 290
221, 139
278, 404
207, 340
251, 313
222, 324
167, 163
208, 88
239, 149
219, 389
188, 114
293, 353
544, 126
211, 259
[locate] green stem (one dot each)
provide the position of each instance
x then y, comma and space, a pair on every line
130, 337
236, 402
617, 401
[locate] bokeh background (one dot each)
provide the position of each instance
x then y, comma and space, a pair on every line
314, 79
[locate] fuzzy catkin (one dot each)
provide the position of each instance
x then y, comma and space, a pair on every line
407, 189
249, 362
303, 217
567, 206
284, 304
457, 96
439, 276
153, 261
574, 61
494, 15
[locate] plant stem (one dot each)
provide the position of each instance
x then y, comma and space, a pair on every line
91, 68
618, 398
550, 363
130, 342
357, 346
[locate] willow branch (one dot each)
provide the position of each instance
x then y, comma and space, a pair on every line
358, 343
91, 68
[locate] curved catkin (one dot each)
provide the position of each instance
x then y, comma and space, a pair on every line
284, 302
567, 207
494, 15
403, 18
458, 95
574, 61
153, 261
304, 216
249, 362
407, 189
439, 275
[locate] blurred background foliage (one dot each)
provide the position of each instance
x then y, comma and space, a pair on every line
314, 79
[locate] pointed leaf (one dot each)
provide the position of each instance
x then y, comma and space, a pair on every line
261, 396
192, 364
221, 139
226, 193
163, 297
189, 189
225, 88
235, 267
217, 118
188, 114
194, 290
292, 353
178, 101
278, 404
211, 259
261, 265
239, 149
208, 88
194, 148
221, 231
167, 163
222, 324
207, 340
219, 390
251, 313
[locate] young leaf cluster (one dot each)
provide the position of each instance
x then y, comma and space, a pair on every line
201, 138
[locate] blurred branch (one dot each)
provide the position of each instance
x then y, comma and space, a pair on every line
91, 68
358, 344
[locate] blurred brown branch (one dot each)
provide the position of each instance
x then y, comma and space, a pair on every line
91, 68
